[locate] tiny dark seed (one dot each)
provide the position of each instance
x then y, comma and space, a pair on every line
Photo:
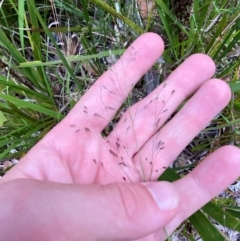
77, 130
87, 129
97, 115
122, 163
101, 164
109, 107
158, 121
160, 143
94, 160
124, 178
112, 92
113, 153
85, 107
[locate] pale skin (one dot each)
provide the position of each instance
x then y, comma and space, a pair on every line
75, 185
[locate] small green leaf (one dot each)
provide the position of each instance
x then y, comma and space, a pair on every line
235, 86
2, 118
169, 175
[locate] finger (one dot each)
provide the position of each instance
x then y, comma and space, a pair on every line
97, 107
164, 147
206, 181
142, 120
85, 212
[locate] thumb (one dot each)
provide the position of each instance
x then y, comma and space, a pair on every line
123, 211
54, 211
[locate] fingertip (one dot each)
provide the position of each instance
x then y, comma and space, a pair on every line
221, 166
204, 62
155, 38
150, 45
142, 208
222, 89
233, 154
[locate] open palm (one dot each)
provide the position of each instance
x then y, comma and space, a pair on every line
141, 145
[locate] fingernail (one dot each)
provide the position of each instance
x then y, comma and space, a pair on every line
164, 194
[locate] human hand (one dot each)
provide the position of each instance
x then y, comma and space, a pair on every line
76, 185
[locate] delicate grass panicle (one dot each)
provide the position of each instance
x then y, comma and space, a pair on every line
118, 147
53, 51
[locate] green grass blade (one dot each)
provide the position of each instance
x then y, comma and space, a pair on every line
73, 58
233, 210
20, 113
30, 73
21, 13
229, 69
174, 19
205, 228
36, 45
61, 56
222, 217
23, 90
103, 5
34, 107
169, 33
